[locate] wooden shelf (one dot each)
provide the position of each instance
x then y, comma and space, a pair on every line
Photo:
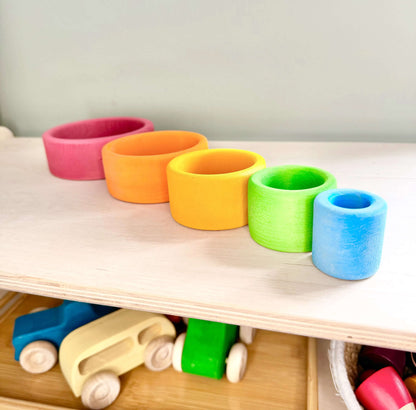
71, 239
277, 377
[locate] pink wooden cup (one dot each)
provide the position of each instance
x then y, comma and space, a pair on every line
73, 150
384, 390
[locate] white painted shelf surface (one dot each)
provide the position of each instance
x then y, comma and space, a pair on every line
71, 239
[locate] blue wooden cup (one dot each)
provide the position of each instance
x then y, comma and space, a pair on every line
348, 232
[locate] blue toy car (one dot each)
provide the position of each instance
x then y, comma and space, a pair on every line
37, 336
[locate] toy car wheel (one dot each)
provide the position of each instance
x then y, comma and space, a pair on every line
177, 352
247, 334
158, 353
38, 357
100, 390
236, 363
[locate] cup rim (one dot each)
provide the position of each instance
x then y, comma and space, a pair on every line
377, 204
49, 135
329, 179
175, 164
376, 375
109, 147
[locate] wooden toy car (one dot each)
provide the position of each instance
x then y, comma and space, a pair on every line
38, 335
210, 349
93, 356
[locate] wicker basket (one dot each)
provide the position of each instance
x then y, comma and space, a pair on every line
343, 361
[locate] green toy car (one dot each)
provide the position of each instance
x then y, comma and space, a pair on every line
210, 349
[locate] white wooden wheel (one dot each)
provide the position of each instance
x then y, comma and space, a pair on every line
177, 352
236, 362
38, 357
100, 390
247, 334
158, 353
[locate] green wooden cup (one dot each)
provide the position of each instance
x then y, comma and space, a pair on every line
280, 205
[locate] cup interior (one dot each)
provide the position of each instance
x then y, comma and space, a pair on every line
295, 178
213, 162
351, 200
105, 127
155, 143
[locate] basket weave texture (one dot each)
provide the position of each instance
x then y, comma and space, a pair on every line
343, 361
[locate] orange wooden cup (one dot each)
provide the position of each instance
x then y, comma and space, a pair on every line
135, 166
208, 188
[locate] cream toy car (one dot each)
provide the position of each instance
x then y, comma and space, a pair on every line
93, 356
38, 335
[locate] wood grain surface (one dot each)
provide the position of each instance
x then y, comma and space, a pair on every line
71, 239
276, 378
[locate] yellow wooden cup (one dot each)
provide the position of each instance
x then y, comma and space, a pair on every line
208, 188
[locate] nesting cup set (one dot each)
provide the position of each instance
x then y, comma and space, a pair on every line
298, 209
206, 188
288, 208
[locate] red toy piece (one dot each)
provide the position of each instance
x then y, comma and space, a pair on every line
174, 319
384, 390
365, 375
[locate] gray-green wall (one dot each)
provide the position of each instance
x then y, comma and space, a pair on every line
293, 69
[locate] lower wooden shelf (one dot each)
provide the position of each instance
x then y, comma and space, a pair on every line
281, 374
